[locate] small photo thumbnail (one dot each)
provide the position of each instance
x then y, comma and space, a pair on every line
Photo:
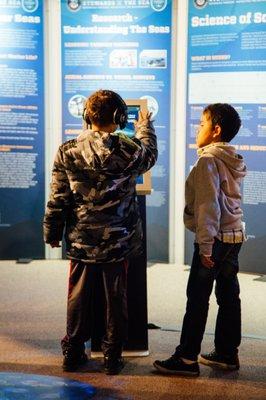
153, 59
123, 58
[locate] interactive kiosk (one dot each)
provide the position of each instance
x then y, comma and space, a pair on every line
137, 343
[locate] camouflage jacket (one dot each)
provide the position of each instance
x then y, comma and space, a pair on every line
93, 194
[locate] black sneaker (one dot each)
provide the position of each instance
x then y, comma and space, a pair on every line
214, 359
72, 361
177, 366
113, 365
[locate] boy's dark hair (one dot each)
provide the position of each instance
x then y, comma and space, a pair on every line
105, 107
226, 117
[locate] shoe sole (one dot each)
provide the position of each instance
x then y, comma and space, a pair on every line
169, 372
74, 368
70, 369
113, 372
216, 364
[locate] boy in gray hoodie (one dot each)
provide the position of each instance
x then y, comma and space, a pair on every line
213, 212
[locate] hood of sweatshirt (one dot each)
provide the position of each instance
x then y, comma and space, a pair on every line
112, 152
226, 153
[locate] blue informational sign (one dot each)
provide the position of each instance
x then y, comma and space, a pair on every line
227, 64
21, 129
125, 46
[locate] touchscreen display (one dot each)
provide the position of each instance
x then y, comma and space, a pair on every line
132, 112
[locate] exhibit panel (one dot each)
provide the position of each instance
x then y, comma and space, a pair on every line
21, 129
126, 47
227, 64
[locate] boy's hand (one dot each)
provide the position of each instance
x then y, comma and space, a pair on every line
55, 243
206, 261
142, 116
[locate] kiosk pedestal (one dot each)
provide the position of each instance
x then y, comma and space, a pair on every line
137, 343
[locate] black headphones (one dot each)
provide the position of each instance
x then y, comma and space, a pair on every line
120, 114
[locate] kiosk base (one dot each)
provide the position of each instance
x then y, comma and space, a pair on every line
126, 353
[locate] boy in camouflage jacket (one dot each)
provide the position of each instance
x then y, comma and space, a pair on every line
93, 198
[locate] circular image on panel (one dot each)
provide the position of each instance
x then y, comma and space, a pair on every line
158, 5
29, 5
153, 105
74, 5
76, 105
200, 3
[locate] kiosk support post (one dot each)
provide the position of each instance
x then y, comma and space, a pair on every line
137, 343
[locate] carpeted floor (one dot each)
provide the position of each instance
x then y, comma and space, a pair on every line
33, 306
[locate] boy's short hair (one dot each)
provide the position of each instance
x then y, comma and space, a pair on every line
226, 117
104, 107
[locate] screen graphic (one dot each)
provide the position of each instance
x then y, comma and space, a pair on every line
132, 113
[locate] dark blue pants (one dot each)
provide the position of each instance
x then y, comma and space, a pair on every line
81, 306
199, 288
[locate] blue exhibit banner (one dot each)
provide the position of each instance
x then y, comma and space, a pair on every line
124, 46
21, 129
227, 64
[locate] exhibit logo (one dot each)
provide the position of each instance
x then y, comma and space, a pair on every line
200, 3
158, 5
30, 5
74, 5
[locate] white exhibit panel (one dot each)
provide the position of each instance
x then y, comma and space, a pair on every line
178, 132
53, 102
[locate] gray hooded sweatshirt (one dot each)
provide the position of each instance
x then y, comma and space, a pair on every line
213, 196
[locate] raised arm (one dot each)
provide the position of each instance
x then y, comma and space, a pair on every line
145, 137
